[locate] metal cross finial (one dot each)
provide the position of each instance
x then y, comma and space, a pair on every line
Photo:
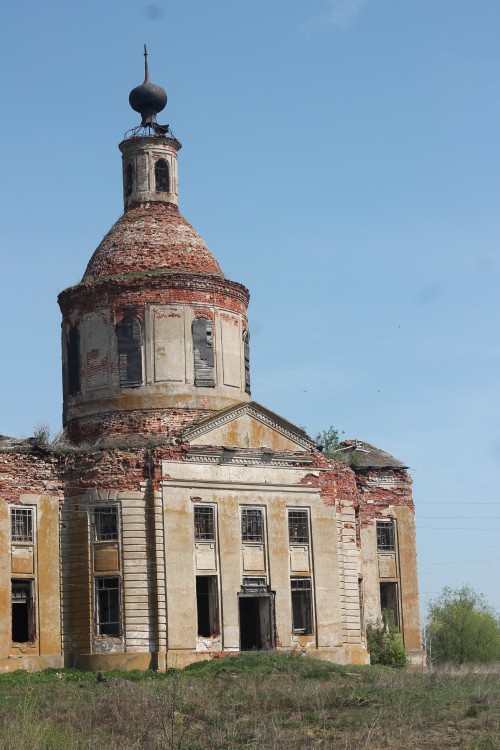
146, 71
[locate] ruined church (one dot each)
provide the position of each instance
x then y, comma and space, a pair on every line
179, 519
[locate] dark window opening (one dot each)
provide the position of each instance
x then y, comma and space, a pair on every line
386, 538
389, 608
162, 177
73, 356
22, 611
252, 525
21, 524
298, 527
105, 520
207, 605
129, 179
108, 606
246, 354
204, 523
129, 336
301, 606
203, 345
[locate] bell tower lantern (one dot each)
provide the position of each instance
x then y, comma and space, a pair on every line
149, 161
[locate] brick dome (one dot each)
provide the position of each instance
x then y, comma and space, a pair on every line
151, 237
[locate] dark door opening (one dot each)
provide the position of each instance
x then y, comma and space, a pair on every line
22, 618
256, 623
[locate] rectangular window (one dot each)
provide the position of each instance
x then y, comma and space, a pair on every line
389, 603
252, 525
105, 521
298, 527
22, 611
386, 537
21, 524
301, 605
107, 594
207, 602
204, 523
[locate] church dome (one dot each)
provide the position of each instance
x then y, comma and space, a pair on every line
151, 237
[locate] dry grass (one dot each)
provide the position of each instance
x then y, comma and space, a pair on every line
264, 701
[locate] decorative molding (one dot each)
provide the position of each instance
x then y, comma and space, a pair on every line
263, 458
257, 412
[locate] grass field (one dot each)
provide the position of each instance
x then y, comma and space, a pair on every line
252, 701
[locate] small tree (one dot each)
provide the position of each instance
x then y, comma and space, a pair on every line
330, 440
462, 627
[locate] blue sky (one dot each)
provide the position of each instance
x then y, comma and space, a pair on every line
341, 158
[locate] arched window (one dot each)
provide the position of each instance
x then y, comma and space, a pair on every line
162, 177
129, 337
73, 361
129, 179
246, 354
203, 345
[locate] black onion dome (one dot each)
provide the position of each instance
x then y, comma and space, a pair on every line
148, 99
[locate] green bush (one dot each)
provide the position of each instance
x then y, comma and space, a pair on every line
385, 644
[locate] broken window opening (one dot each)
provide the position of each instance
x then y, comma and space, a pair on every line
129, 179
361, 604
105, 523
207, 602
246, 354
389, 608
162, 179
129, 337
252, 525
107, 591
23, 626
298, 527
204, 371
73, 359
357, 522
21, 524
204, 523
256, 622
301, 605
386, 537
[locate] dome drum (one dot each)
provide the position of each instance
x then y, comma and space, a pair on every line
150, 170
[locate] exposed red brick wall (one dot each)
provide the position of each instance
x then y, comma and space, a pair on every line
70, 473
152, 423
152, 289
151, 236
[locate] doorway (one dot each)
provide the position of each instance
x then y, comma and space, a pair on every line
256, 622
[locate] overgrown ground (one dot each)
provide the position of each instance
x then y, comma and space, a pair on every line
280, 702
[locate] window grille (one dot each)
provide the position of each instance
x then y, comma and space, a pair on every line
204, 523
105, 523
108, 606
252, 525
129, 337
386, 537
203, 347
161, 176
298, 526
21, 520
301, 605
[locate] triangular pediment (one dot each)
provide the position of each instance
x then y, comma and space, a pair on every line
249, 425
